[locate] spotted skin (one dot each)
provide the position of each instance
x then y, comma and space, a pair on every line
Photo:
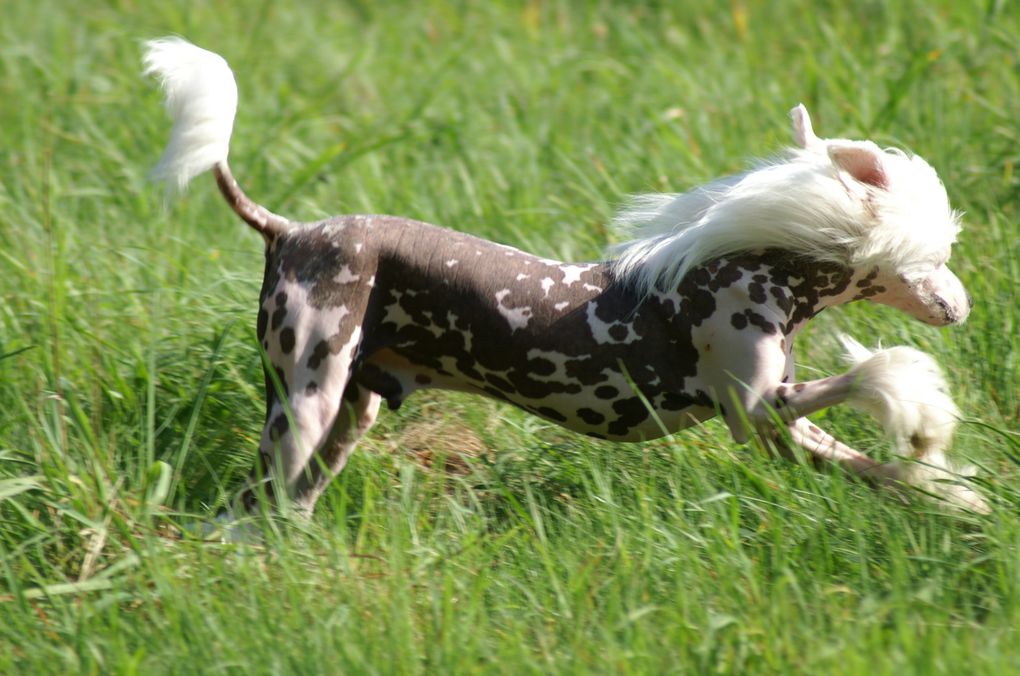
357, 310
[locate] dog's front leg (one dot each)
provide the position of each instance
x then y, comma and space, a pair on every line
904, 389
787, 404
827, 451
746, 370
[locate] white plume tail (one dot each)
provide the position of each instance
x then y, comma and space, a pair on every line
201, 97
904, 389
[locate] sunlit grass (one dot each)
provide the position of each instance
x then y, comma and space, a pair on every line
465, 536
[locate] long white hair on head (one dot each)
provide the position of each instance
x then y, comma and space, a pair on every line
835, 200
201, 97
905, 390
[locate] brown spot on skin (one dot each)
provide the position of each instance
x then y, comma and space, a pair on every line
278, 316
606, 392
740, 321
499, 383
287, 340
320, 352
278, 428
551, 413
700, 305
799, 387
540, 366
618, 332
783, 300
869, 292
708, 347
590, 416
678, 401
866, 281
261, 323
760, 321
815, 429
281, 298
311, 388
915, 441
781, 401
422, 379
632, 412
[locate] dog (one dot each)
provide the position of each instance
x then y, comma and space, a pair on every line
692, 318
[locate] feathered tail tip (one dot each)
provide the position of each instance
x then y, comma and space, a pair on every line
201, 97
904, 389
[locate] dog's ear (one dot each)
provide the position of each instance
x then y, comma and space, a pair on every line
803, 134
863, 160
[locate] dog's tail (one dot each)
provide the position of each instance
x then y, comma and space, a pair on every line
201, 97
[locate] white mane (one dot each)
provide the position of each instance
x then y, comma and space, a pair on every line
846, 202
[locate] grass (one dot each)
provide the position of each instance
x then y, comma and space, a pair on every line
464, 536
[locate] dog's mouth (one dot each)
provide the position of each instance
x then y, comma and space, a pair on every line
944, 313
948, 315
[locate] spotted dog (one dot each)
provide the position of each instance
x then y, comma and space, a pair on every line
694, 317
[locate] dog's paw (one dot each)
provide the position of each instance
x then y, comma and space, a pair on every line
942, 484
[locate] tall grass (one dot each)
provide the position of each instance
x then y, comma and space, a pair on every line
465, 536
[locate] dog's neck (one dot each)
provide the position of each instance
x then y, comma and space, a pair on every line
793, 288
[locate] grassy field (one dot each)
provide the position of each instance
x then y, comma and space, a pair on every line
465, 536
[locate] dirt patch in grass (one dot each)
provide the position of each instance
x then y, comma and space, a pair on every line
441, 444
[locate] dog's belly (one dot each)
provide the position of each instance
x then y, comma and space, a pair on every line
609, 408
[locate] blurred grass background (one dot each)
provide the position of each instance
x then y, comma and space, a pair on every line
465, 536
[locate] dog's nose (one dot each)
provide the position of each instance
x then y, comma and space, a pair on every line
970, 300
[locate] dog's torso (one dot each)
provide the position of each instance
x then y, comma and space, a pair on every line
411, 305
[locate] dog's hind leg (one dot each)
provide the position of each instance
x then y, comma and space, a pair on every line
297, 427
305, 410
357, 414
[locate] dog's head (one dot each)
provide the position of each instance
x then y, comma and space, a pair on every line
902, 223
